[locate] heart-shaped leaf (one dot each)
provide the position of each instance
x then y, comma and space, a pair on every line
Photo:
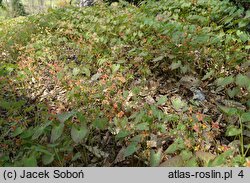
65, 116
175, 65
186, 155
47, 158
232, 93
76, 156
142, 126
233, 131
177, 145
100, 123
155, 157
245, 117
27, 133
242, 81
56, 132
18, 131
76, 71
228, 110
221, 159
30, 161
78, 133
191, 162
132, 148
162, 100
208, 75
178, 103
224, 81
122, 134
115, 68
86, 71
38, 132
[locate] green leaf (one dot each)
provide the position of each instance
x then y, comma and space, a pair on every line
155, 157
30, 161
65, 116
75, 71
233, 131
100, 123
39, 148
78, 133
247, 146
47, 158
142, 126
122, 134
56, 132
158, 59
76, 156
5, 104
136, 138
177, 145
197, 18
162, 100
27, 133
40, 129
248, 103
175, 65
224, 81
178, 103
18, 131
186, 155
38, 132
245, 117
221, 159
230, 111
242, 81
185, 69
101, 61
242, 35
131, 149
191, 162
208, 75
81, 117
232, 93
86, 71
115, 68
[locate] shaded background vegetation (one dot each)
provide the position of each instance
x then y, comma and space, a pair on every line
22, 7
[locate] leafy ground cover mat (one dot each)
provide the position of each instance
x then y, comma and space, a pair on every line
163, 84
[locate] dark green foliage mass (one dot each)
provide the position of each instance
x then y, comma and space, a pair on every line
242, 3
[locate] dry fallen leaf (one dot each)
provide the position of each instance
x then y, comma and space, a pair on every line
205, 156
200, 116
120, 114
122, 79
120, 156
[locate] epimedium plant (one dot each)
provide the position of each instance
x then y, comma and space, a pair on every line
93, 55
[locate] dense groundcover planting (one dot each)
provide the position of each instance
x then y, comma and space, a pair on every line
165, 83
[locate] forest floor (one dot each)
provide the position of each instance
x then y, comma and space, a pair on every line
163, 84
